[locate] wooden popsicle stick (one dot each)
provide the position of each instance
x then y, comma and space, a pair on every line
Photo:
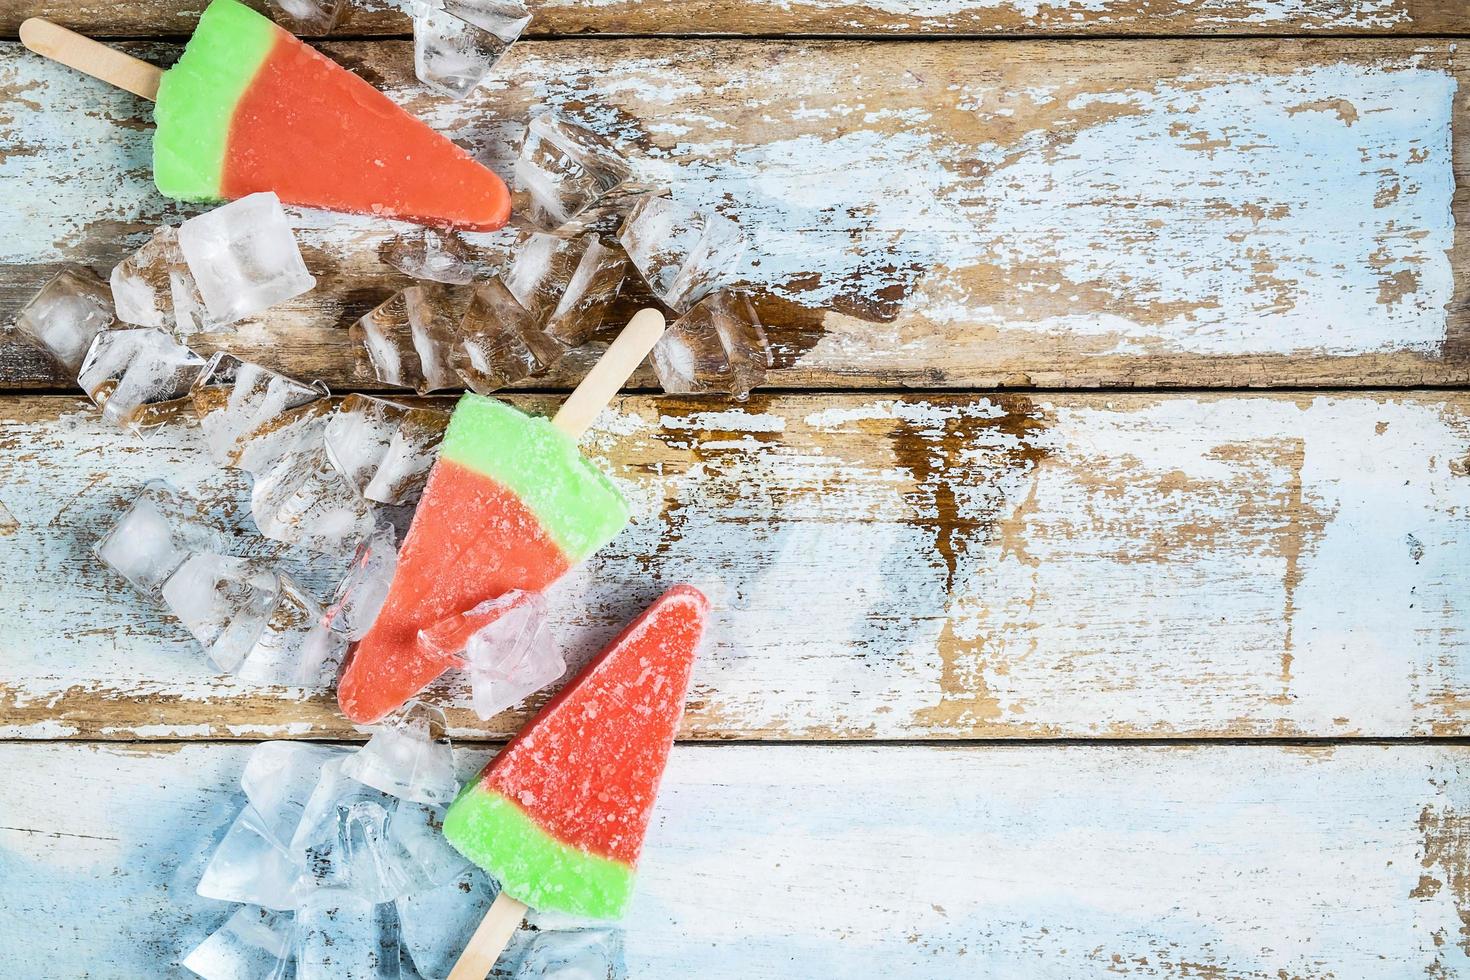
620, 360
91, 57
489, 940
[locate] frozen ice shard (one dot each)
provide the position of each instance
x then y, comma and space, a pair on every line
569, 284
253, 944
153, 287
718, 346
250, 866
139, 378
565, 169
428, 253
155, 535
244, 257
408, 756
250, 414
64, 317
683, 253
383, 447
500, 341
407, 340
456, 43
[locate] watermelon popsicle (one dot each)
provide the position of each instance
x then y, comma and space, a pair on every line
559, 816
510, 504
250, 108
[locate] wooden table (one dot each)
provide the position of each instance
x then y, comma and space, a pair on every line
1091, 582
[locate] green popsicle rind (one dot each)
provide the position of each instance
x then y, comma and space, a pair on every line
575, 502
531, 865
198, 95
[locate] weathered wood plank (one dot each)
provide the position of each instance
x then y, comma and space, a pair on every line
1234, 863
152, 18
1050, 214
957, 566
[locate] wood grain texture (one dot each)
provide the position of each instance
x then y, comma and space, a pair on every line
914, 568
1009, 214
1054, 863
150, 18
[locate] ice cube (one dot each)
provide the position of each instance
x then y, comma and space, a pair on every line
64, 317
225, 602
507, 648
253, 944
153, 287
683, 253
456, 43
138, 378
438, 256
250, 866
155, 535
418, 828
244, 257
310, 18
384, 448
568, 283
407, 340
341, 936
501, 341
408, 756
718, 346
278, 780
294, 649
333, 790
304, 500
436, 924
249, 414
573, 954
358, 854
360, 595
565, 169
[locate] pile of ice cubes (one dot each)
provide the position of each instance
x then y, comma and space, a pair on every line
120, 339
562, 281
341, 872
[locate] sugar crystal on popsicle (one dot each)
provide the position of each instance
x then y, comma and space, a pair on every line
559, 816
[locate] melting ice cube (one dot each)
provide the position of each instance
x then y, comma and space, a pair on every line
155, 535
568, 283
501, 341
683, 253
437, 923
343, 936
438, 256
361, 593
407, 340
310, 18
138, 378
385, 449
250, 866
456, 43
244, 257
153, 287
507, 648
565, 169
573, 954
250, 414
278, 780
408, 756
253, 944
64, 317
305, 500
718, 346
